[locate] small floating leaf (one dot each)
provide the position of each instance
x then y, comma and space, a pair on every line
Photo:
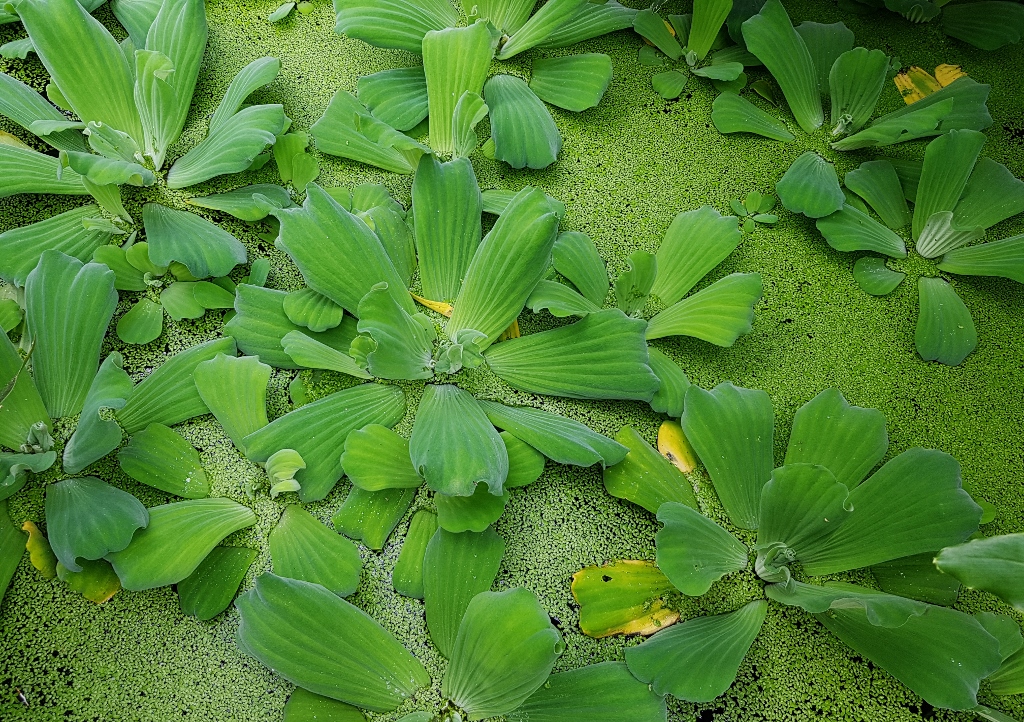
241, 204
303, 548
525, 464
645, 477
235, 391
674, 382
407, 576
143, 323
622, 598
371, 516
695, 242
850, 229
575, 256
376, 458
97, 581
573, 82
874, 277
945, 330
693, 551
811, 187
208, 590
21, 408
161, 458
877, 182
205, 249
398, 345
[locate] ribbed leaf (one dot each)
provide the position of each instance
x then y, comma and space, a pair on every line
68, 306
622, 598
506, 15
916, 577
508, 264
95, 437
397, 97
695, 242
771, 37
347, 130
161, 458
945, 331
377, 458
889, 129
235, 391
718, 314
575, 256
856, 81
561, 439
674, 382
87, 518
645, 477
240, 204
992, 564
208, 590
560, 300
456, 567
14, 470
811, 187
989, 25
911, 505
948, 163
734, 114
205, 249
731, 429
390, 227
670, 83
448, 205
317, 640
698, 660
469, 513
603, 356
1003, 258
25, 106
399, 345
337, 254
371, 516
604, 692
453, 445
455, 61
695, 552
992, 195
143, 323
469, 111
318, 431
649, 25
84, 62
545, 21
303, 548
407, 577
850, 229
169, 395
393, 23
312, 310
967, 110
525, 464
522, 129
708, 18
178, 538
12, 548
304, 706
573, 82
590, 21
22, 408
876, 182
825, 43
504, 652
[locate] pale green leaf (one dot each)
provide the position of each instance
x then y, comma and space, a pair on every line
889, 129
397, 97
25, 106
590, 21
136, 16
732, 113
21, 408
525, 464
674, 382
649, 25
548, 18
66, 232
604, 692
718, 314
945, 331
811, 186
303, 548
377, 458
98, 170
179, 300
622, 598
469, 111
560, 300
575, 256
407, 576
992, 195
506, 15
469, 513
97, 581
396, 235
240, 203
1003, 258
23, 170
400, 344
96, 436
161, 458
877, 182
235, 391
695, 242
308, 352
633, 286
693, 551
304, 706
992, 564
573, 82
371, 516
205, 249
670, 84
143, 323
393, 23
726, 72
523, 131
948, 163
645, 477
208, 590
850, 229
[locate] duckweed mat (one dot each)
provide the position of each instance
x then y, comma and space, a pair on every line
626, 169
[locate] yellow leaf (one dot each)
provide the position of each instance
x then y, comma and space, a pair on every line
445, 309
946, 74
97, 581
510, 332
39, 551
622, 597
915, 83
674, 446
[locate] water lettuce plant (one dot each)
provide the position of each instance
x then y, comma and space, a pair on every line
989, 26
821, 513
455, 87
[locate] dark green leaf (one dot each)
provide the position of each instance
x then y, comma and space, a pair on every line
811, 187
14, 470
12, 548
670, 84
525, 464
948, 163
732, 113
649, 25
991, 564
850, 229
575, 256
399, 345
95, 436
179, 300
20, 405
205, 249
208, 590
718, 314
873, 277
371, 516
304, 706
303, 548
826, 43
876, 182
559, 300
720, 71
916, 577
573, 82
407, 576
856, 81
645, 477
1003, 258
945, 331
143, 323
988, 25
161, 458
708, 18
604, 692
693, 551
992, 195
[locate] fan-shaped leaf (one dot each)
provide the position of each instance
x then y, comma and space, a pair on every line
826, 43
545, 21
718, 314
573, 82
856, 81
523, 131
208, 590
178, 538
916, 577
303, 548
97, 581
205, 249
604, 692
698, 660
25, 107
945, 331
14, 468
722, 71
811, 187
161, 458
649, 25
948, 163
22, 406
876, 182
734, 114
670, 83
633, 286
1003, 258
525, 464
317, 640
318, 430
674, 382
708, 18
469, 513
304, 706
68, 307
992, 195
399, 345
407, 577
590, 21
23, 170
988, 26
393, 23
693, 551
645, 477
469, 111
143, 323
371, 516
377, 458
312, 310
240, 203
850, 229
559, 300
575, 256
397, 97
506, 15
66, 232
622, 598
992, 564
695, 242
96, 436
235, 391
504, 652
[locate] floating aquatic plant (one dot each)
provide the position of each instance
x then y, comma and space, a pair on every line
988, 25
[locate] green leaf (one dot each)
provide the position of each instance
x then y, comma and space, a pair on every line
453, 445
604, 692
68, 306
720, 71
66, 232
856, 81
469, 513
496, 201
396, 236
695, 242
522, 129
547, 19
507, 16
634, 285
456, 568
575, 256
336, 252
126, 276
504, 652
811, 187
397, 97
889, 129
179, 300
968, 107
448, 205
281, 13
143, 323
916, 577
168, 395
399, 345
645, 477
1003, 258
649, 25
508, 264
525, 464
371, 516
989, 26
732, 430
990, 564
23, 170
674, 382
622, 598
669, 84
318, 431
178, 538
377, 458
407, 576
948, 163
11, 314
347, 130
572, 82
590, 21
105, 172
847, 440
708, 18
240, 203
14, 468
303, 548
469, 111
97, 581
161, 458
693, 551
560, 300
1008, 679
256, 74
718, 314
21, 407
87, 518
205, 249
771, 37
913, 504
393, 23
876, 182
208, 590
732, 113
873, 277
25, 106
317, 640
698, 660
304, 706
212, 295
945, 331
826, 43
992, 195
12, 548
850, 229
96, 436
84, 62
